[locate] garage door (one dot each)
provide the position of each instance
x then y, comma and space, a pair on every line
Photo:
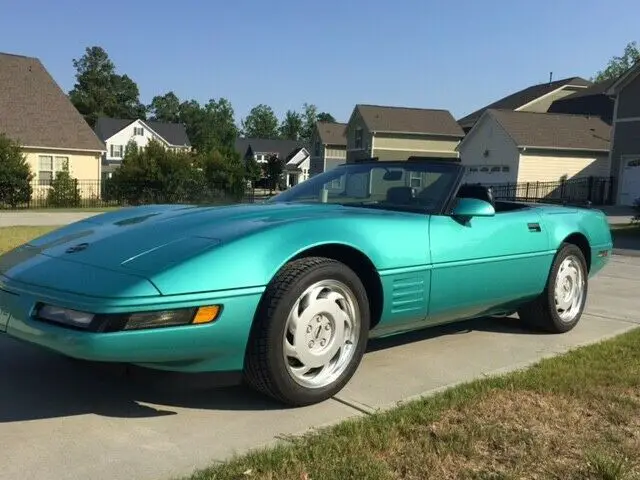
487, 174
629, 180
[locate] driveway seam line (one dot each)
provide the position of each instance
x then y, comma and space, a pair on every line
362, 408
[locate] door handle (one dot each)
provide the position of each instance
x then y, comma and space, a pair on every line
534, 227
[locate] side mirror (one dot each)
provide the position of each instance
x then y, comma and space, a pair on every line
473, 207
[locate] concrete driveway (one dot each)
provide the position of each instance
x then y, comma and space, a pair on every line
69, 420
44, 218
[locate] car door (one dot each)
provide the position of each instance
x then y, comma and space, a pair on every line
486, 264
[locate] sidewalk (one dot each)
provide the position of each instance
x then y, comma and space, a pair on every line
618, 215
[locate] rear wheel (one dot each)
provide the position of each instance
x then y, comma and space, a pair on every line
310, 333
559, 308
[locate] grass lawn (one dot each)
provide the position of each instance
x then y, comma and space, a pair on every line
630, 229
571, 417
11, 237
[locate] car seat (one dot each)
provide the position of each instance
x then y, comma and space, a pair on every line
477, 191
401, 195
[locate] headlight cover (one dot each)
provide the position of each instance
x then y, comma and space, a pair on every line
65, 316
105, 323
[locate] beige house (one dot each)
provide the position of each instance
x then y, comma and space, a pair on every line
397, 133
506, 146
35, 112
328, 146
534, 98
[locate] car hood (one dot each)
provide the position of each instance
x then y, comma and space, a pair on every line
146, 239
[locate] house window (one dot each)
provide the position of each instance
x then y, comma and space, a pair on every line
117, 151
358, 138
415, 179
138, 131
48, 166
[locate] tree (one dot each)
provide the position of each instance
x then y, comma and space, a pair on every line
309, 117
165, 108
154, 175
99, 90
261, 123
252, 169
326, 117
218, 129
64, 191
15, 174
210, 126
618, 65
291, 126
223, 172
274, 169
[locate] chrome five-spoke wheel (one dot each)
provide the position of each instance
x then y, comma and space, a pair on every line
569, 289
321, 333
559, 307
310, 332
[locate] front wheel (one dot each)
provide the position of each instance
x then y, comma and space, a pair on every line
559, 308
310, 333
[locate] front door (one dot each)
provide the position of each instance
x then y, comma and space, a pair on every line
630, 180
486, 264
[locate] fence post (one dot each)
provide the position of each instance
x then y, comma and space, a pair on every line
611, 200
590, 194
526, 195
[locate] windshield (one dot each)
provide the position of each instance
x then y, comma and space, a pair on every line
413, 186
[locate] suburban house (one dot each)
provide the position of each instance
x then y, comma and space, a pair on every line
296, 168
535, 98
506, 146
293, 153
328, 146
397, 133
35, 112
116, 133
262, 148
625, 149
592, 100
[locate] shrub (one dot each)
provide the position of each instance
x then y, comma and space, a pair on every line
64, 191
15, 174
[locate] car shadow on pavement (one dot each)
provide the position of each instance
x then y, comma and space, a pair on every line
37, 384
511, 325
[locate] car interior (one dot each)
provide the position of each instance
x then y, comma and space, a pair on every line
405, 195
482, 192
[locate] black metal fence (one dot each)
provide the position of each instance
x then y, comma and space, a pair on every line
106, 193
596, 190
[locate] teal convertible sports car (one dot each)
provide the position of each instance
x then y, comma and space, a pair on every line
289, 291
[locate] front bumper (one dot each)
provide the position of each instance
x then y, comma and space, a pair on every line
218, 346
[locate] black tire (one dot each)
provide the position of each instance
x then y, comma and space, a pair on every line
265, 369
541, 313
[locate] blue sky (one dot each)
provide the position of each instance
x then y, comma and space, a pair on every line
457, 55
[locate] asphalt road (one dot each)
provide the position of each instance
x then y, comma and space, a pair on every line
66, 420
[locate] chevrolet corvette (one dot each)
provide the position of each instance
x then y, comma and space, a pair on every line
289, 291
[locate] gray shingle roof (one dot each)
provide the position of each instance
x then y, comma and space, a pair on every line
555, 130
173, 133
36, 112
522, 97
380, 118
332, 133
263, 145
